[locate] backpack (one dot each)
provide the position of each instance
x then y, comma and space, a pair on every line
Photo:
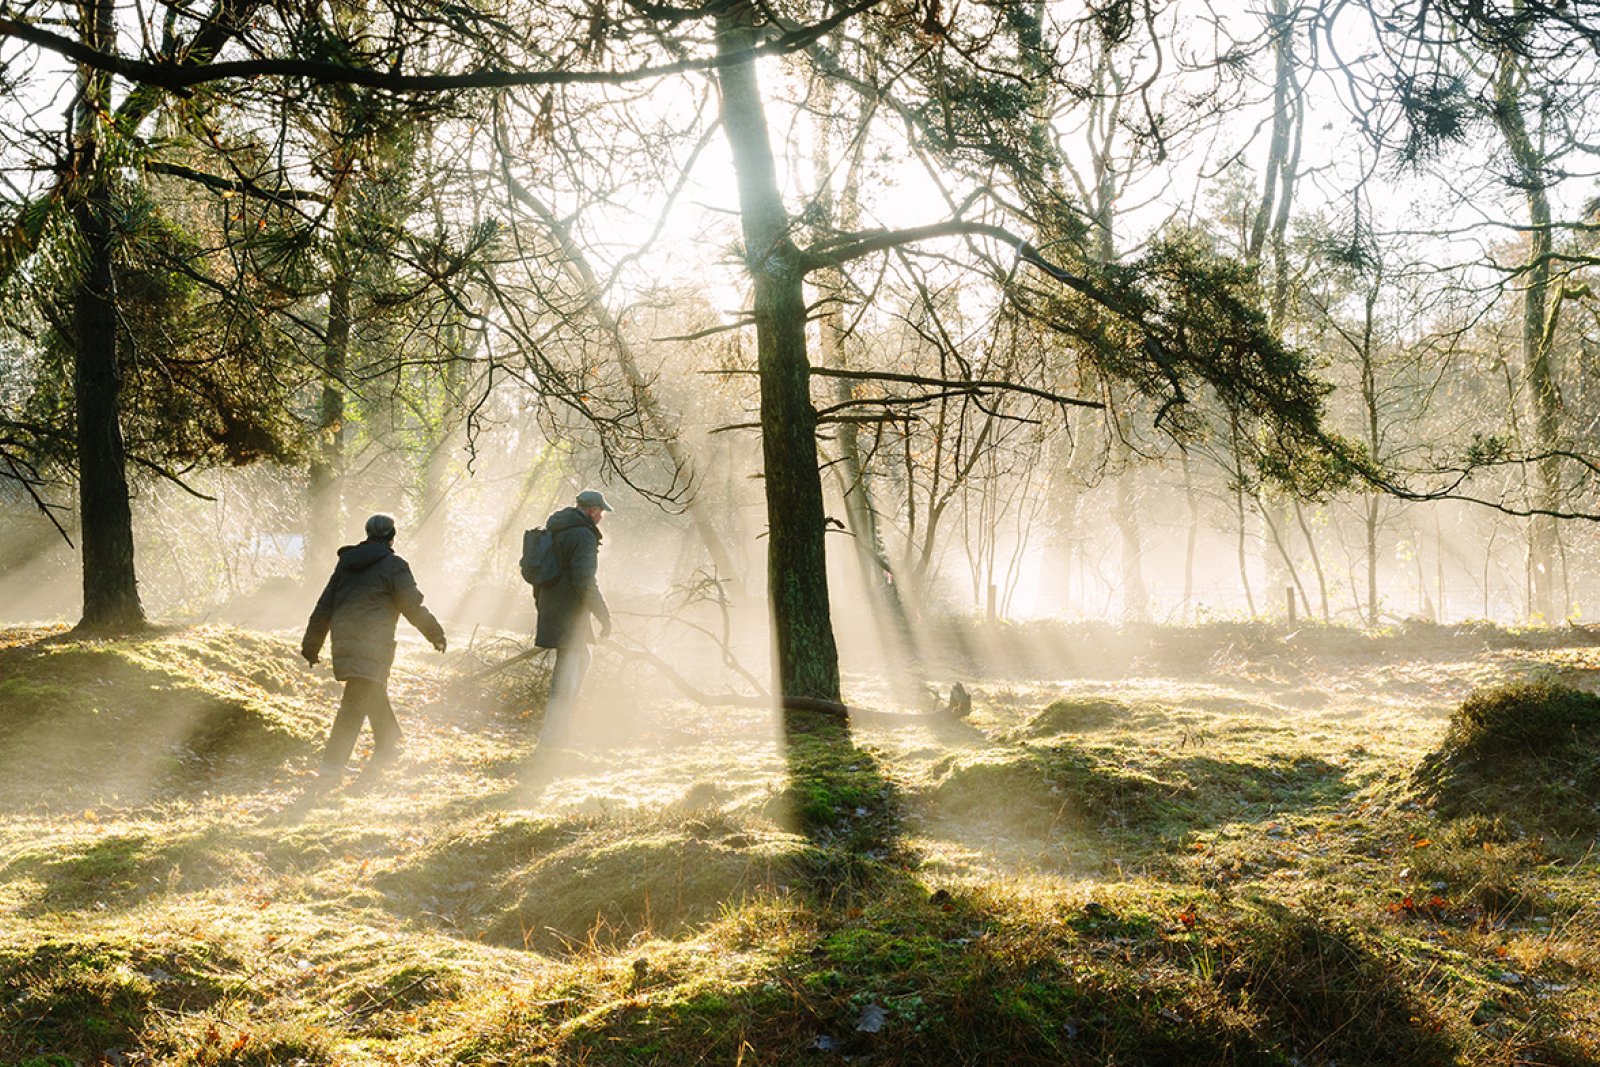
540, 567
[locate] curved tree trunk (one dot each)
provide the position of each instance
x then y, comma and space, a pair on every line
807, 659
851, 470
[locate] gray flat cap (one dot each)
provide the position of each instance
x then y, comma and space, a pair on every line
591, 498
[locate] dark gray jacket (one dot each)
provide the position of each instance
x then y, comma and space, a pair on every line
566, 604
370, 589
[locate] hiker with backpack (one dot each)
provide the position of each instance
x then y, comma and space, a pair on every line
560, 560
370, 589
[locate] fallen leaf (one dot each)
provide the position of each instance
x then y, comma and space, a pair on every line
872, 1019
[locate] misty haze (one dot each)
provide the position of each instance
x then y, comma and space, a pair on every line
899, 533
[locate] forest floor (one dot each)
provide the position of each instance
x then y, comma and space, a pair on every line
1234, 845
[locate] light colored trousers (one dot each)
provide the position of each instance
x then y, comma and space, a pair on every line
572, 663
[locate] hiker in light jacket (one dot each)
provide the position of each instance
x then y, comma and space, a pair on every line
565, 607
370, 589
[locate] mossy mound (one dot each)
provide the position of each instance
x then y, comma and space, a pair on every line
556, 886
1001, 789
660, 885
1052, 791
1070, 716
1527, 752
85, 720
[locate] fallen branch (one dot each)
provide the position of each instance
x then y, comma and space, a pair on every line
525, 654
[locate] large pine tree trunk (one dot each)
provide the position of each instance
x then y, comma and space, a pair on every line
807, 659
110, 585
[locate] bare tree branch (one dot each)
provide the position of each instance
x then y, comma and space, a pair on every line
175, 76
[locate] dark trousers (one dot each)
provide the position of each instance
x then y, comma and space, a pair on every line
363, 699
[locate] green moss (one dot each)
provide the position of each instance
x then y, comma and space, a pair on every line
1256, 893
72, 998
1524, 718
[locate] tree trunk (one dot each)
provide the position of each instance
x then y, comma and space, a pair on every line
1316, 561
1369, 400
860, 514
430, 535
1273, 211
1291, 574
807, 659
1191, 496
1125, 513
327, 463
1239, 513
1372, 560
1244, 562
110, 585
1537, 341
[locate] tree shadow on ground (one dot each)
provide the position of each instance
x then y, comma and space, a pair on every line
1076, 801
966, 976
